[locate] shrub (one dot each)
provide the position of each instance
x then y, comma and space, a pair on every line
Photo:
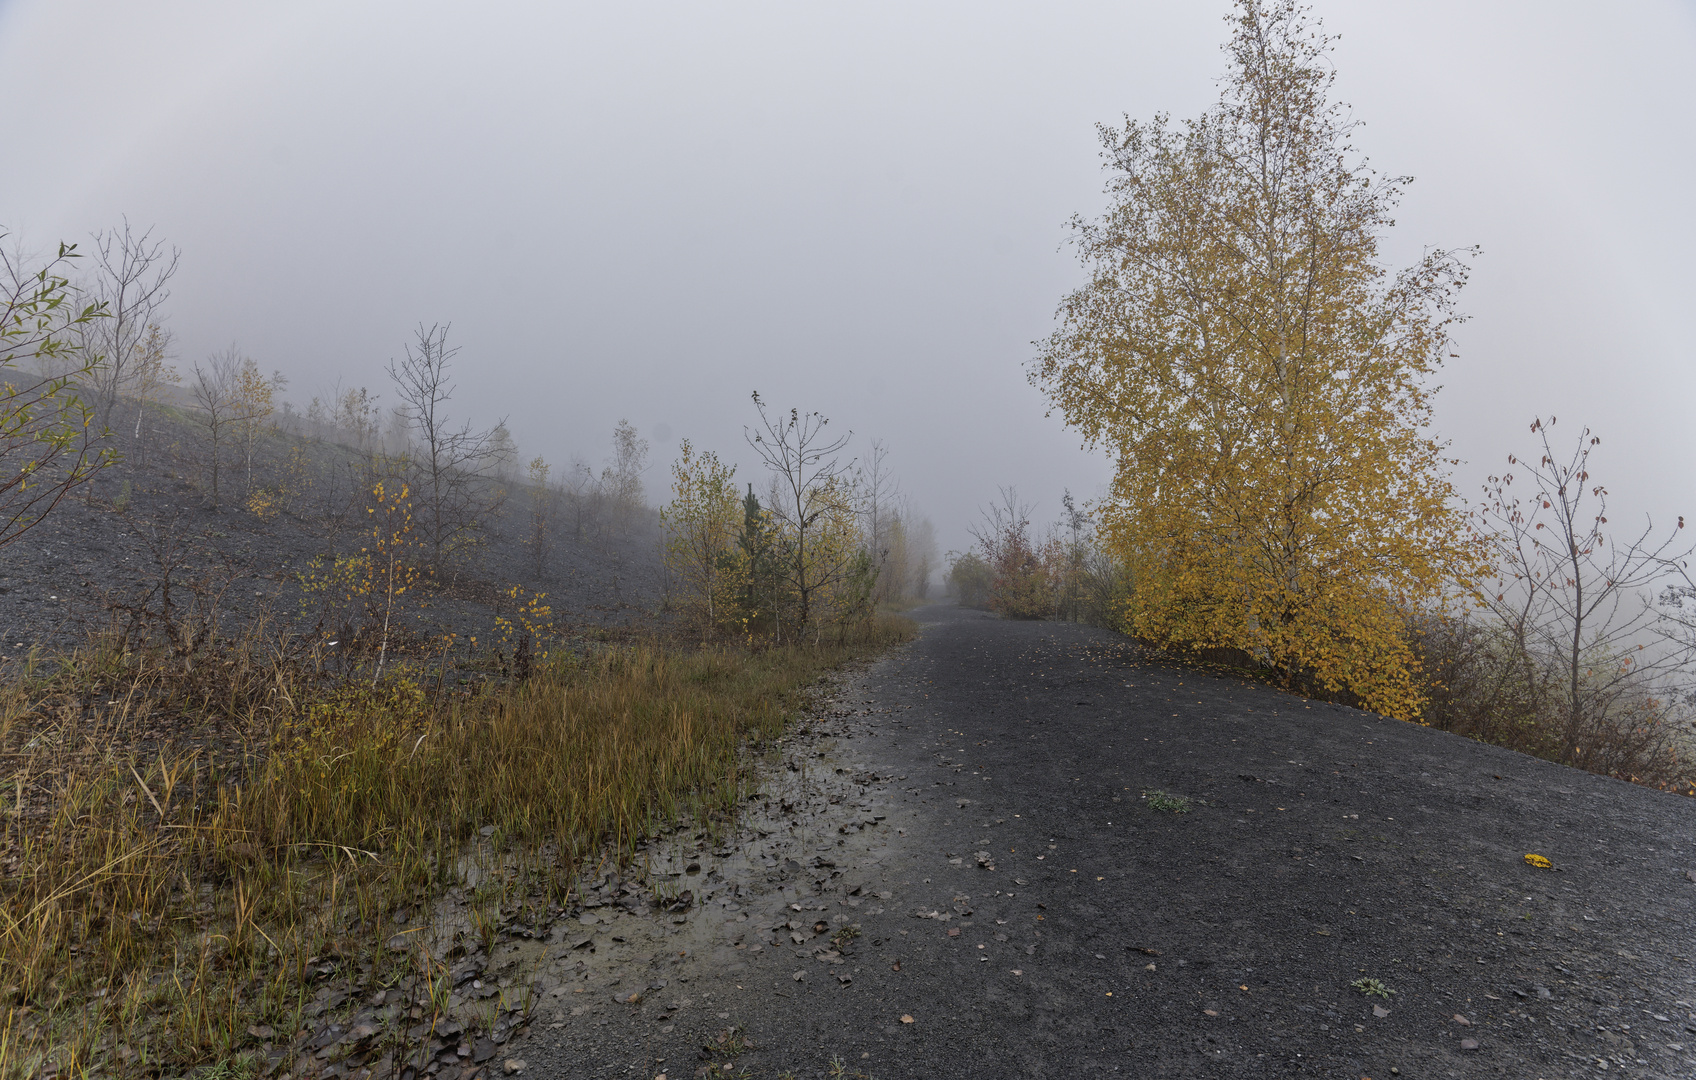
969, 579
1482, 681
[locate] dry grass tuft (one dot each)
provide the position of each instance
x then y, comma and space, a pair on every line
192, 839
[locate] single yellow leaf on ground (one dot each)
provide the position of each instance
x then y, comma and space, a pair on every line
1539, 861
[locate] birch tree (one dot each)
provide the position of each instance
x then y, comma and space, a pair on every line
47, 433
1261, 380
255, 401
881, 499
701, 531
455, 462
152, 374
130, 280
621, 480
216, 386
811, 491
544, 506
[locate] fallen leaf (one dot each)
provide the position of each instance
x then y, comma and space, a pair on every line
1148, 967
905, 1019
1538, 861
1210, 1012
1018, 971
954, 931
1462, 1021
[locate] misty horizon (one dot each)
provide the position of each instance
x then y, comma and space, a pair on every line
859, 213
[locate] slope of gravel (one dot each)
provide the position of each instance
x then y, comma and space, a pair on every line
1022, 910
105, 545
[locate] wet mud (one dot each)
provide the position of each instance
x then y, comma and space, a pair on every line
639, 961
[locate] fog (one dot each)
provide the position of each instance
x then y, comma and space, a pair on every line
649, 211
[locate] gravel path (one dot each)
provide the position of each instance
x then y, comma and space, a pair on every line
1023, 910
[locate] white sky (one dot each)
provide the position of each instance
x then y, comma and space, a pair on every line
651, 209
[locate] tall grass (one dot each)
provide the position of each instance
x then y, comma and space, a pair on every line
181, 864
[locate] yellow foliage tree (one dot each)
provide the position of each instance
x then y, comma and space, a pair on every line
702, 524
811, 489
371, 586
151, 374
839, 561
543, 506
255, 399
393, 558
1260, 379
525, 631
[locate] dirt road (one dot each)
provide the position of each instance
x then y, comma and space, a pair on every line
1345, 896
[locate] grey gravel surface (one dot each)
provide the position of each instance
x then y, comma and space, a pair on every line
107, 544
1023, 910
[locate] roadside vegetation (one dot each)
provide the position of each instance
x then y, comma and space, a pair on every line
831, 544
1262, 381
194, 842
232, 811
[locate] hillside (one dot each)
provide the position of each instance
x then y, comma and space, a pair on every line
106, 550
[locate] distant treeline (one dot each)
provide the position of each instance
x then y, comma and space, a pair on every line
826, 544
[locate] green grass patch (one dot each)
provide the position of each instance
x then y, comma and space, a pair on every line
1167, 802
1372, 988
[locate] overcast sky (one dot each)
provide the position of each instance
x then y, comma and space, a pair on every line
648, 210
